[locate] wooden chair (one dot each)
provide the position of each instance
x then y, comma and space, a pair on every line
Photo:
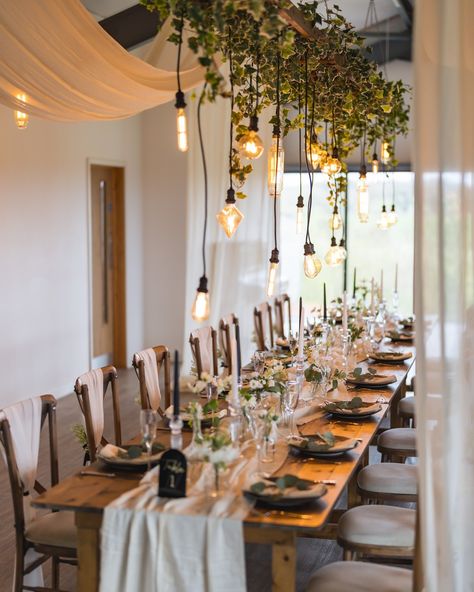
387, 481
282, 302
52, 536
200, 339
82, 391
163, 362
397, 444
262, 316
225, 335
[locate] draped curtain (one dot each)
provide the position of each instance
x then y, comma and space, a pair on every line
236, 267
444, 102
70, 69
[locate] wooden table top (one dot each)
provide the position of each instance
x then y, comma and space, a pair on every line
94, 493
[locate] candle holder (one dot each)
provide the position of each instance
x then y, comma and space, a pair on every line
395, 304
176, 426
346, 347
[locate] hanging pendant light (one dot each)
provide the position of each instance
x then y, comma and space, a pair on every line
250, 144
300, 215
385, 152
333, 256
276, 163
363, 196
342, 248
375, 163
180, 104
383, 222
300, 199
312, 264
21, 118
272, 272
230, 216
200, 310
335, 221
392, 216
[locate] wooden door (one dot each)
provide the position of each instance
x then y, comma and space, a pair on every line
108, 266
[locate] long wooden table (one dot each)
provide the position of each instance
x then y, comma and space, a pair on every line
87, 496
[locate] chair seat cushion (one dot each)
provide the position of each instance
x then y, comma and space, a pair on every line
356, 576
403, 439
56, 529
390, 478
407, 406
381, 526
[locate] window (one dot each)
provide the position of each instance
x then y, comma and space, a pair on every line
369, 248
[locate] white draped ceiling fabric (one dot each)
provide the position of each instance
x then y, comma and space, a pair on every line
70, 69
444, 100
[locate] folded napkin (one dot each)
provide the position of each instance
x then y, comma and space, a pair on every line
111, 451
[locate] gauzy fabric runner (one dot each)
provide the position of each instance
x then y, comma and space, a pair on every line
152, 381
25, 428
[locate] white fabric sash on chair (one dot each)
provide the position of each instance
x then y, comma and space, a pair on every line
152, 380
25, 428
94, 379
205, 347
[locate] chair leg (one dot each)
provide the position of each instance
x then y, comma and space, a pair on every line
55, 573
19, 567
348, 555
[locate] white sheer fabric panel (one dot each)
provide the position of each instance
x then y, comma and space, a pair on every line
70, 69
444, 83
237, 268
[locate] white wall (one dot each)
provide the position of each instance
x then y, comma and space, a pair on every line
164, 229
44, 292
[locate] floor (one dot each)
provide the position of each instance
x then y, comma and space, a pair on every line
312, 553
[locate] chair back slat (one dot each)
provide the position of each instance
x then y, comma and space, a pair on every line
163, 363
227, 325
282, 308
263, 325
82, 391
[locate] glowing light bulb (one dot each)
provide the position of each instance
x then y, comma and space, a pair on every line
375, 163
272, 272
383, 223
21, 118
300, 215
251, 145
276, 164
181, 123
230, 216
312, 265
334, 256
335, 221
332, 165
385, 152
392, 216
200, 311
315, 153
342, 248
363, 197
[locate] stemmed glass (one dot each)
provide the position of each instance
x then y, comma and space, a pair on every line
148, 421
291, 397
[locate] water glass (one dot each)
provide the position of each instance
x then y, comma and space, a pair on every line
291, 397
148, 421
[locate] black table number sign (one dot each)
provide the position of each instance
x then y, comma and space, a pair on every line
172, 474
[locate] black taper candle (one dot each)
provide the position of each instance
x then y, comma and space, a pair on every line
354, 284
176, 384
325, 309
300, 312
239, 353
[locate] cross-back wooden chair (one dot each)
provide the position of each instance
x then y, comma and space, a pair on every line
110, 379
205, 340
163, 363
51, 536
282, 307
227, 327
263, 323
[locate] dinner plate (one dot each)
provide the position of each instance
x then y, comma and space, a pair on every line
316, 448
206, 420
108, 455
289, 498
390, 357
395, 336
372, 381
365, 411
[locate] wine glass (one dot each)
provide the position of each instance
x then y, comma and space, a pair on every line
148, 420
291, 397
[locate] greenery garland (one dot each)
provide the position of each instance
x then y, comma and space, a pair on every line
350, 99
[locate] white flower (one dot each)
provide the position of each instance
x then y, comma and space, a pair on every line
255, 385
224, 455
271, 383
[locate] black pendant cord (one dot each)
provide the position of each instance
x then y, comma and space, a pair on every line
310, 198
231, 126
299, 139
180, 43
257, 71
204, 168
275, 230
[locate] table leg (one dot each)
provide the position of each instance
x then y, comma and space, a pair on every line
353, 496
284, 563
88, 551
395, 421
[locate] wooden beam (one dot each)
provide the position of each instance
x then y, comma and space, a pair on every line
294, 17
132, 26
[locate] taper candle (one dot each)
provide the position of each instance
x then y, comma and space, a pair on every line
354, 287
301, 336
176, 384
344, 314
233, 354
299, 311
325, 310
239, 353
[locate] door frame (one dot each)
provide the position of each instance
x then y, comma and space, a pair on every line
120, 286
